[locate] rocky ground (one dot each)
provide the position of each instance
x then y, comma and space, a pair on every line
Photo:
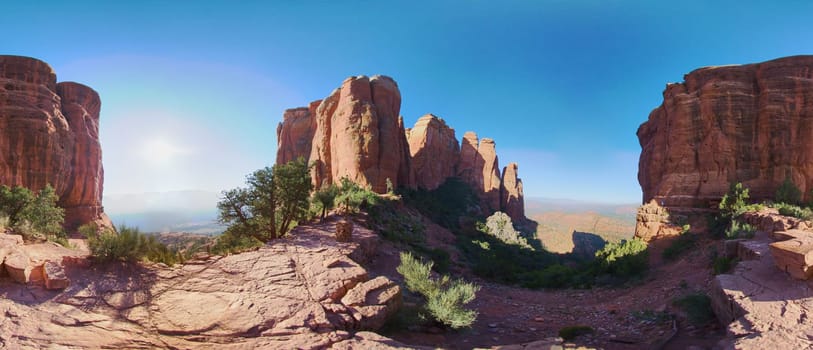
302, 292
310, 291
621, 317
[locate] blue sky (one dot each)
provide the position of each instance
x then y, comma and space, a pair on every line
192, 90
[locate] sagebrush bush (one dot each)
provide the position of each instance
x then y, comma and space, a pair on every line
444, 297
794, 211
446, 204
500, 226
129, 244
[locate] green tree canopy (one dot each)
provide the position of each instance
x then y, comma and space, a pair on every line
274, 199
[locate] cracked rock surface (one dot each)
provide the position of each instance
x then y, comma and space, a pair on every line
285, 295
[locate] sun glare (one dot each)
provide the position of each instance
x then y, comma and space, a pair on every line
161, 151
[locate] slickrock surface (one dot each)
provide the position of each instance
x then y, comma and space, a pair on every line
300, 292
49, 134
747, 123
434, 151
762, 307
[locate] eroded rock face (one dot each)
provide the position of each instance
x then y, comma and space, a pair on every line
299, 292
434, 151
356, 132
512, 198
360, 135
295, 133
750, 123
49, 134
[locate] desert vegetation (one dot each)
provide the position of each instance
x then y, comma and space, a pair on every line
35, 216
128, 245
445, 298
272, 202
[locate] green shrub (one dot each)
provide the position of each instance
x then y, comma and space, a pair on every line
626, 259
734, 202
325, 199
739, 229
571, 332
128, 245
444, 297
788, 193
553, 276
34, 216
227, 244
500, 226
352, 198
697, 307
794, 211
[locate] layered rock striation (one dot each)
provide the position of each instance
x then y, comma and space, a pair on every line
357, 133
749, 123
49, 134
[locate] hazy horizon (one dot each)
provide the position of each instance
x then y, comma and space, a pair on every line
192, 92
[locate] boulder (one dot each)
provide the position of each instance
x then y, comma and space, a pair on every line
20, 267
373, 302
794, 256
54, 276
344, 231
49, 134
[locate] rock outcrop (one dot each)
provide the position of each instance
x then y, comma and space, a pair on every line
295, 133
356, 132
49, 134
760, 308
434, 151
300, 292
360, 135
750, 123
512, 199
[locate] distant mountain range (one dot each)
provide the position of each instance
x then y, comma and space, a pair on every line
176, 211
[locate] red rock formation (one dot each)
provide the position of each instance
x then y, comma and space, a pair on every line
488, 162
434, 150
359, 135
295, 133
512, 198
49, 134
751, 124
356, 132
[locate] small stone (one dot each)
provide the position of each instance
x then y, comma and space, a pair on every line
492, 325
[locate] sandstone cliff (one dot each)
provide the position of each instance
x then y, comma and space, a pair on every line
434, 151
357, 132
49, 134
750, 123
